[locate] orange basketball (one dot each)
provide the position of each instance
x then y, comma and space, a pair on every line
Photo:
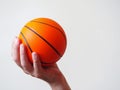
46, 37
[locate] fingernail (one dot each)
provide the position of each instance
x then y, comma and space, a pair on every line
17, 40
22, 47
34, 55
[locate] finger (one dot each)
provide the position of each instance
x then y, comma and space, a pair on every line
16, 51
37, 64
26, 66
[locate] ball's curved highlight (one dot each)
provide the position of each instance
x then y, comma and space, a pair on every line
46, 37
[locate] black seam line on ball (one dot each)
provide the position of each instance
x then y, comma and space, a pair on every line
44, 40
31, 49
53, 27
26, 41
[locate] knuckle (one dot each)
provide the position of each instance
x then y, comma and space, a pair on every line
26, 72
37, 75
25, 69
15, 58
24, 65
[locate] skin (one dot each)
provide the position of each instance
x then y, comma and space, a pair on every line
51, 74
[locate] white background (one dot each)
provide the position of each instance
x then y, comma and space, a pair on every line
92, 58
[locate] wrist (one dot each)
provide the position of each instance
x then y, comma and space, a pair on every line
60, 84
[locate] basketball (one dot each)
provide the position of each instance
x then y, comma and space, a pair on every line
46, 37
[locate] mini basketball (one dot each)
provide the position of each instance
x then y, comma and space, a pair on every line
46, 37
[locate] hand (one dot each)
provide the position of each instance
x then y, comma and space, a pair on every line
50, 74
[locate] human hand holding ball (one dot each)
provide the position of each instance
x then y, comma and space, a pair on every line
46, 37
41, 42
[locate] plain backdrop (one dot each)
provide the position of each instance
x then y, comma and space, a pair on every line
92, 57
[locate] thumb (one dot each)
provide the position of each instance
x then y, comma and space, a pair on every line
36, 62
